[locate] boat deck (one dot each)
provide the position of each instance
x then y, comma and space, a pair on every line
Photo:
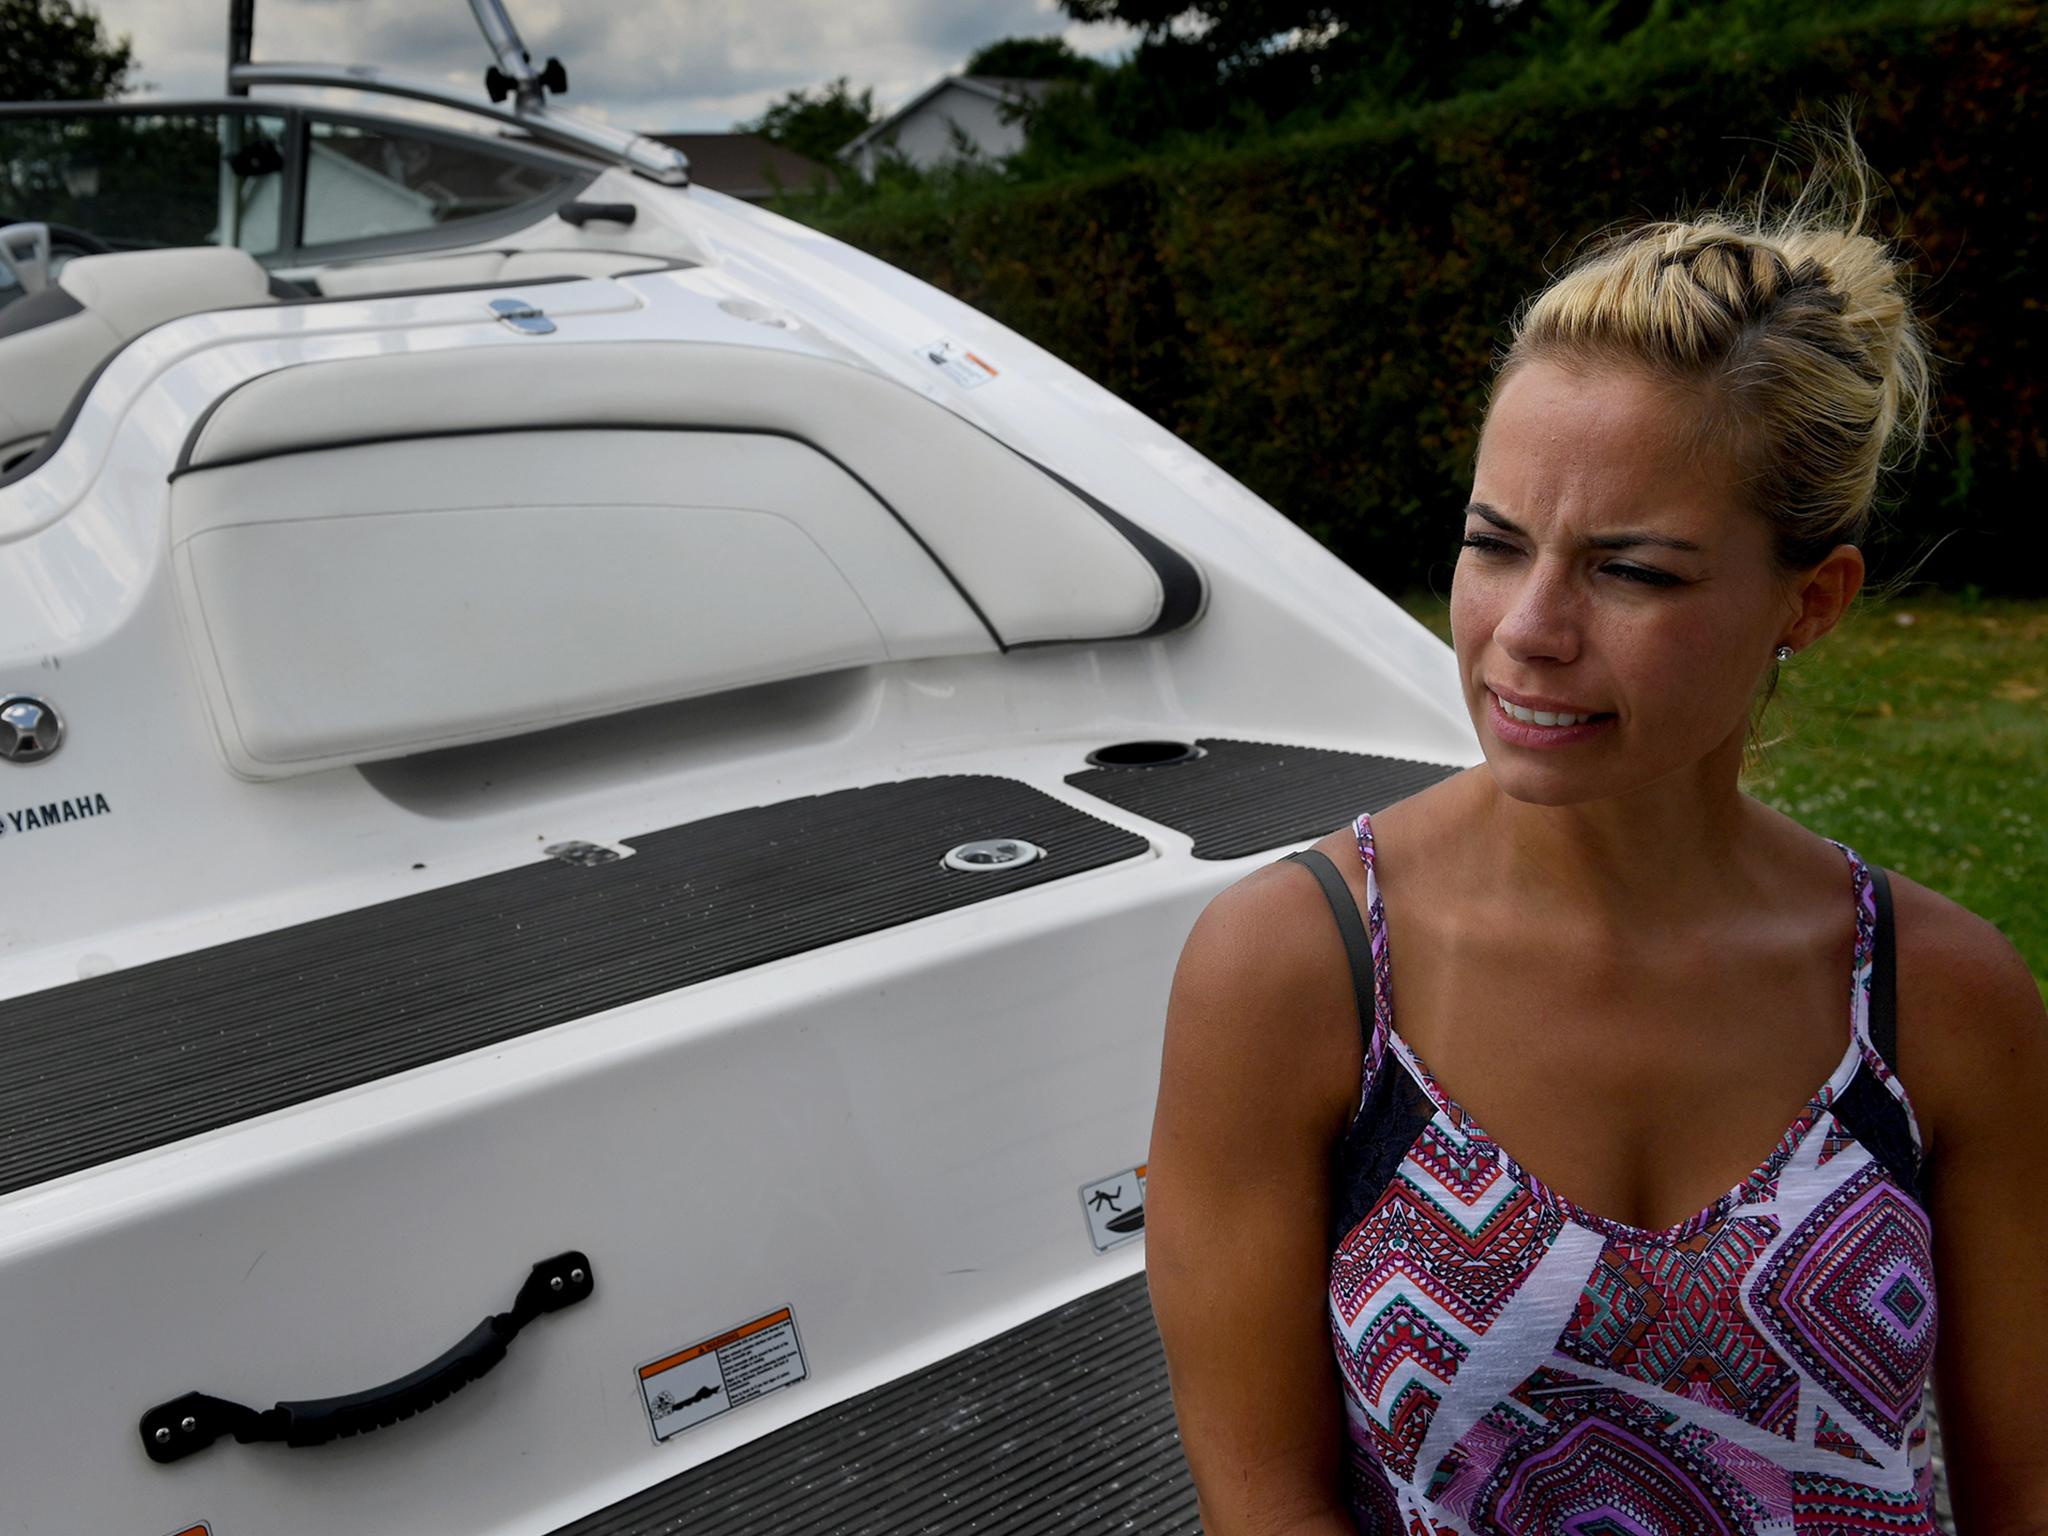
117, 1064
1063, 1424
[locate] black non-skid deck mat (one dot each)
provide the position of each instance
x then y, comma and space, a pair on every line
1062, 1425
102, 1068
1243, 797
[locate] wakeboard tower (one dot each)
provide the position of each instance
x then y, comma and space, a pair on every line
598, 796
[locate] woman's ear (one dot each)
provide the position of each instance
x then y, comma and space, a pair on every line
1822, 595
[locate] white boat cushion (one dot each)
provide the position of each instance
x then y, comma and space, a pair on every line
591, 527
1034, 557
134, 290
360, 603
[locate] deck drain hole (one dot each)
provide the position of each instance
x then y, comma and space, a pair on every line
992, 853
1144, 754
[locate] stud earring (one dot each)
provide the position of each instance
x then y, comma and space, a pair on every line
1783, 653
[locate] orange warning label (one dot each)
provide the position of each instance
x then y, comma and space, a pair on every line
747, 1331
967, 369
728, 1370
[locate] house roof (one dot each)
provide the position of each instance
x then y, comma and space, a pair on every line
743, 164
995, 87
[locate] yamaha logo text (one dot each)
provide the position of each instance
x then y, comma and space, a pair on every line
33, 818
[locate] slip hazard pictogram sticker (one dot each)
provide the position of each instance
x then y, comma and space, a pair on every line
1115, 1208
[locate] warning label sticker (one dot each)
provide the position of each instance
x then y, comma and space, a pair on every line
1115, 1208
963, 367
726, 1371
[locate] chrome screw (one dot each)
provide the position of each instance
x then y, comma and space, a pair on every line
188, 1424
576, 1275
555, 1283
163, 1437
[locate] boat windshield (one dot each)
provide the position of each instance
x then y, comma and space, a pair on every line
284, 183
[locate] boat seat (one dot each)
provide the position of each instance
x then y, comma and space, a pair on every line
383, 555
474, 269
52, 341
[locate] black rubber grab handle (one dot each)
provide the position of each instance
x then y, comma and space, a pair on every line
174, 1430
581, 213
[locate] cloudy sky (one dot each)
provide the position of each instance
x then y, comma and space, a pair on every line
653, 65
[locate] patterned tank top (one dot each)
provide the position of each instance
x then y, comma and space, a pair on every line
1513, 1365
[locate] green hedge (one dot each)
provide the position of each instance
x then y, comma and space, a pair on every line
1319, 315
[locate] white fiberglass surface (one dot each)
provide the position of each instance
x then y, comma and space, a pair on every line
858, 1134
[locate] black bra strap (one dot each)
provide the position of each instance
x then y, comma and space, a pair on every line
1884, 980
1357, 947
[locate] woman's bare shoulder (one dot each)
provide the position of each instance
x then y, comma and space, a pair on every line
1262, 1010
1263, 995
1970, 1013
1266, 944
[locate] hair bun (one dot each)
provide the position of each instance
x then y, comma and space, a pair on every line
1795, 325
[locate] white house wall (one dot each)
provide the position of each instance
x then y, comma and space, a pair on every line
925, 137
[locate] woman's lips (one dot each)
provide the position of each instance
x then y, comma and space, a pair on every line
1537, 701
1518, 733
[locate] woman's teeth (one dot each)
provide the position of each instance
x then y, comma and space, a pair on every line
1538, 716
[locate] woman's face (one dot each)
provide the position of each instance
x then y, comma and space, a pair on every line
1608, 571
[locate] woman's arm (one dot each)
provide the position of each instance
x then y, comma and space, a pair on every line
1261, 1068
1973, 1049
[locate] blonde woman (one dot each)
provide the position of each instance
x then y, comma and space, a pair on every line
1605, 1165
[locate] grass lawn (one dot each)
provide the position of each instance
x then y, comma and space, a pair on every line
1917, 733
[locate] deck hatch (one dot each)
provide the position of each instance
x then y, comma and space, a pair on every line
114, 1065
1068, 1412
1244, 797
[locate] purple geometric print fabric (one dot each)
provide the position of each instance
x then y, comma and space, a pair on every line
1514, 1365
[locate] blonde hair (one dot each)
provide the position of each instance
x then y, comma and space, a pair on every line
1793, 329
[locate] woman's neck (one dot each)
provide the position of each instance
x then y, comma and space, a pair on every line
1663, 851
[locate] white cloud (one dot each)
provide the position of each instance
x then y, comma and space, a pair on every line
654, 65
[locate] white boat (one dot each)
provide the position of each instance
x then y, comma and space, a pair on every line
568, 738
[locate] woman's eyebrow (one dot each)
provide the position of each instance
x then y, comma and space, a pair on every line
1624, 540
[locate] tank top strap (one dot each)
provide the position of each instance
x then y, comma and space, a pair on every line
1883, 1016
1375, 917
1359, 950
1376, 931
1874, 1014
1863, 966
1874, 996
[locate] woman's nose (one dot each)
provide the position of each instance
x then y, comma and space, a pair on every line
1541, 622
